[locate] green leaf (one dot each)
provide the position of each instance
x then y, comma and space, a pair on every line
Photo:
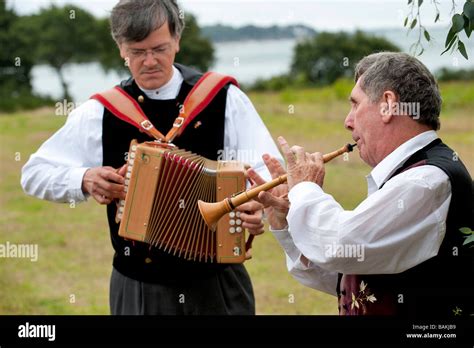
466, 230
405, 22
427, 35
468, 240
421, 52
414, 23
420, 2
468, 10
468, 30
458, 23
462, 49
409, 2
437, 17
450, 39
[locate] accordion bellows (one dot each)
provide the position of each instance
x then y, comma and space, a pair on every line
163, 185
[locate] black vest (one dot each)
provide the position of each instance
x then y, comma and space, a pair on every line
204, 136
440, 286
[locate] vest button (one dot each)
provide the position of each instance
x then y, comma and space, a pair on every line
141, 99
148, 260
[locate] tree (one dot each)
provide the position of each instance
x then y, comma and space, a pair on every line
459, 22
63, 35
109, 54
329, 56
16, 62
195, 49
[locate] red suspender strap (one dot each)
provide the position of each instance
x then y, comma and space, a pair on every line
123, 106
198, 98
119, 103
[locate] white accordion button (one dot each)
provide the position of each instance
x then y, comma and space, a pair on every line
238, 229
128, 175
134, 147
232, 222
127, 182
232, 214
131, 162
132, 154
119, 216
232, 230
238, 214
238, 222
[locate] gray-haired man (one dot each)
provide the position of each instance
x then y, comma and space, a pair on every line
399, 251
82, 158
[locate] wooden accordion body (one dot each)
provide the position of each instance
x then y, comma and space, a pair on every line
163, 185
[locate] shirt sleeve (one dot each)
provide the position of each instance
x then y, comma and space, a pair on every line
246, 137
56, 170
310, 274
394, 229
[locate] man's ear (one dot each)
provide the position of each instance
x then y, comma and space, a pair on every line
122, 50
177, 44
389, 106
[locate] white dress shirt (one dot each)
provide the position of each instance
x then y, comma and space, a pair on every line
56, 170
395, 228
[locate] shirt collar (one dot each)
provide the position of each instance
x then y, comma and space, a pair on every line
169, 90
395, 160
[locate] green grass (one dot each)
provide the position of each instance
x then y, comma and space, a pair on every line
72, 273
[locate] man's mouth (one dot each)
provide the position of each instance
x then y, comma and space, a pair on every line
151, 72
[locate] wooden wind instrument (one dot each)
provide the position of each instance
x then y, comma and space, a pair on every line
213, 212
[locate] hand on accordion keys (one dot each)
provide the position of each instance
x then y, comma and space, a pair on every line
104, 184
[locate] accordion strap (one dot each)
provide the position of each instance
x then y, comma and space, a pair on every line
123, 106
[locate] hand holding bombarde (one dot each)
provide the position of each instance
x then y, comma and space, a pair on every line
212, 212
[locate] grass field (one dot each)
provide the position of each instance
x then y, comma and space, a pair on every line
72, 273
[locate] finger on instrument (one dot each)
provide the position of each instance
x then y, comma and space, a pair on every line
249, 206
289, 155
268, 200
251, 218
111, 175
255, 177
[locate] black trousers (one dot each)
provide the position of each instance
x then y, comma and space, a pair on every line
228, 292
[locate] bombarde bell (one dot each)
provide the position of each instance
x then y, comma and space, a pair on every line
213, 212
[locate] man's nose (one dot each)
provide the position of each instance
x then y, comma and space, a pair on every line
349, 122
150, 59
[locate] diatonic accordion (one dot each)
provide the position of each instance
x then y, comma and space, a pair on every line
163, 185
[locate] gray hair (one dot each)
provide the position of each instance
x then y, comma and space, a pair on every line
134, 20
407, 77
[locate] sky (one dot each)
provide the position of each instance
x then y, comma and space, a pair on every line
319, 14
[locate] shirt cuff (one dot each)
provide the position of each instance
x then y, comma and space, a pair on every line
75, 184
294, 255
303, 188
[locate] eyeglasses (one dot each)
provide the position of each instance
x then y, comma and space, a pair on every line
141, 54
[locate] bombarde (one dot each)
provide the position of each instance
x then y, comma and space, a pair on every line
212, 212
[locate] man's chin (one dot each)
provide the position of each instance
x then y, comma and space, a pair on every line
150, 82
